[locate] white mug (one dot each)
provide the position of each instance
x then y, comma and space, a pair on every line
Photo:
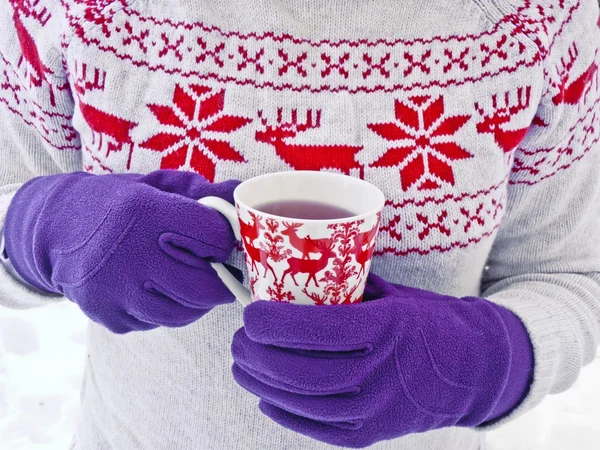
304, 261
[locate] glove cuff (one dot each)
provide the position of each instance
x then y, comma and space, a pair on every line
520, 374
20, 225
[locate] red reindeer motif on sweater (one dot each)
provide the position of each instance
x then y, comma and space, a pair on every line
499, 118
571, 92
102, 123
36, 71
304, 156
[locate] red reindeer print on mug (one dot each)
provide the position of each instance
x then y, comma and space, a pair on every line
270, 248
310, 266
362, 255
367, 237
251, 231
305, 245
257, 255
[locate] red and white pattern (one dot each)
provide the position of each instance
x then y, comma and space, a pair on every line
427, 134
212, 120
576, 135
312, 156
533, 166
498, 120
195, 111
314, 263
53, 125
441, 224
36, 71
201, 51
417, 116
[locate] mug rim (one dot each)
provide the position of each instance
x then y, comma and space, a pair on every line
379, 202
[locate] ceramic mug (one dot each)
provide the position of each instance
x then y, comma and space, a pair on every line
304, 261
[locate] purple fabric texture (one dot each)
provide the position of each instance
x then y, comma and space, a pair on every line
131, 250
403, 361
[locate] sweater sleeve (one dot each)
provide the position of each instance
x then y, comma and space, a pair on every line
36, 109
545, 262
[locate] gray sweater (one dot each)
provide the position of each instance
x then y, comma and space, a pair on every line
490, 163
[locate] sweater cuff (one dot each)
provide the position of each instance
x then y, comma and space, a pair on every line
14, 291
543, 327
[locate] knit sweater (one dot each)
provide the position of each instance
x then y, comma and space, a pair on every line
478, 119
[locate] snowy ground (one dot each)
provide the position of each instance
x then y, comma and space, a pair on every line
41, 362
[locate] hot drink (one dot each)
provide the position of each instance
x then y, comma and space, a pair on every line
309, 241
307, 210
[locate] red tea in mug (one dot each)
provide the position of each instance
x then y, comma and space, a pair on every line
307, 210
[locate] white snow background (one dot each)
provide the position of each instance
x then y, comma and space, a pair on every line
41, 362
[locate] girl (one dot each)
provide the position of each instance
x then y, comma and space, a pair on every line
477, 118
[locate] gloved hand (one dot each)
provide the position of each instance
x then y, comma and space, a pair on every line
409, 361
131, 250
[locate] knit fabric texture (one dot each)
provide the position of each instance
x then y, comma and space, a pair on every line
478, 119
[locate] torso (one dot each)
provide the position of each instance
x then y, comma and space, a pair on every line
426, 102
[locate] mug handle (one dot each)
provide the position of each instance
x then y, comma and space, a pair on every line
228, 210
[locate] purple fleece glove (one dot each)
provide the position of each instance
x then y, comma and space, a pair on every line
131, 250
408, 362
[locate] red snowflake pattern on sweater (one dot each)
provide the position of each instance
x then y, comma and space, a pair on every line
425, 147
189, 122
309, 93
